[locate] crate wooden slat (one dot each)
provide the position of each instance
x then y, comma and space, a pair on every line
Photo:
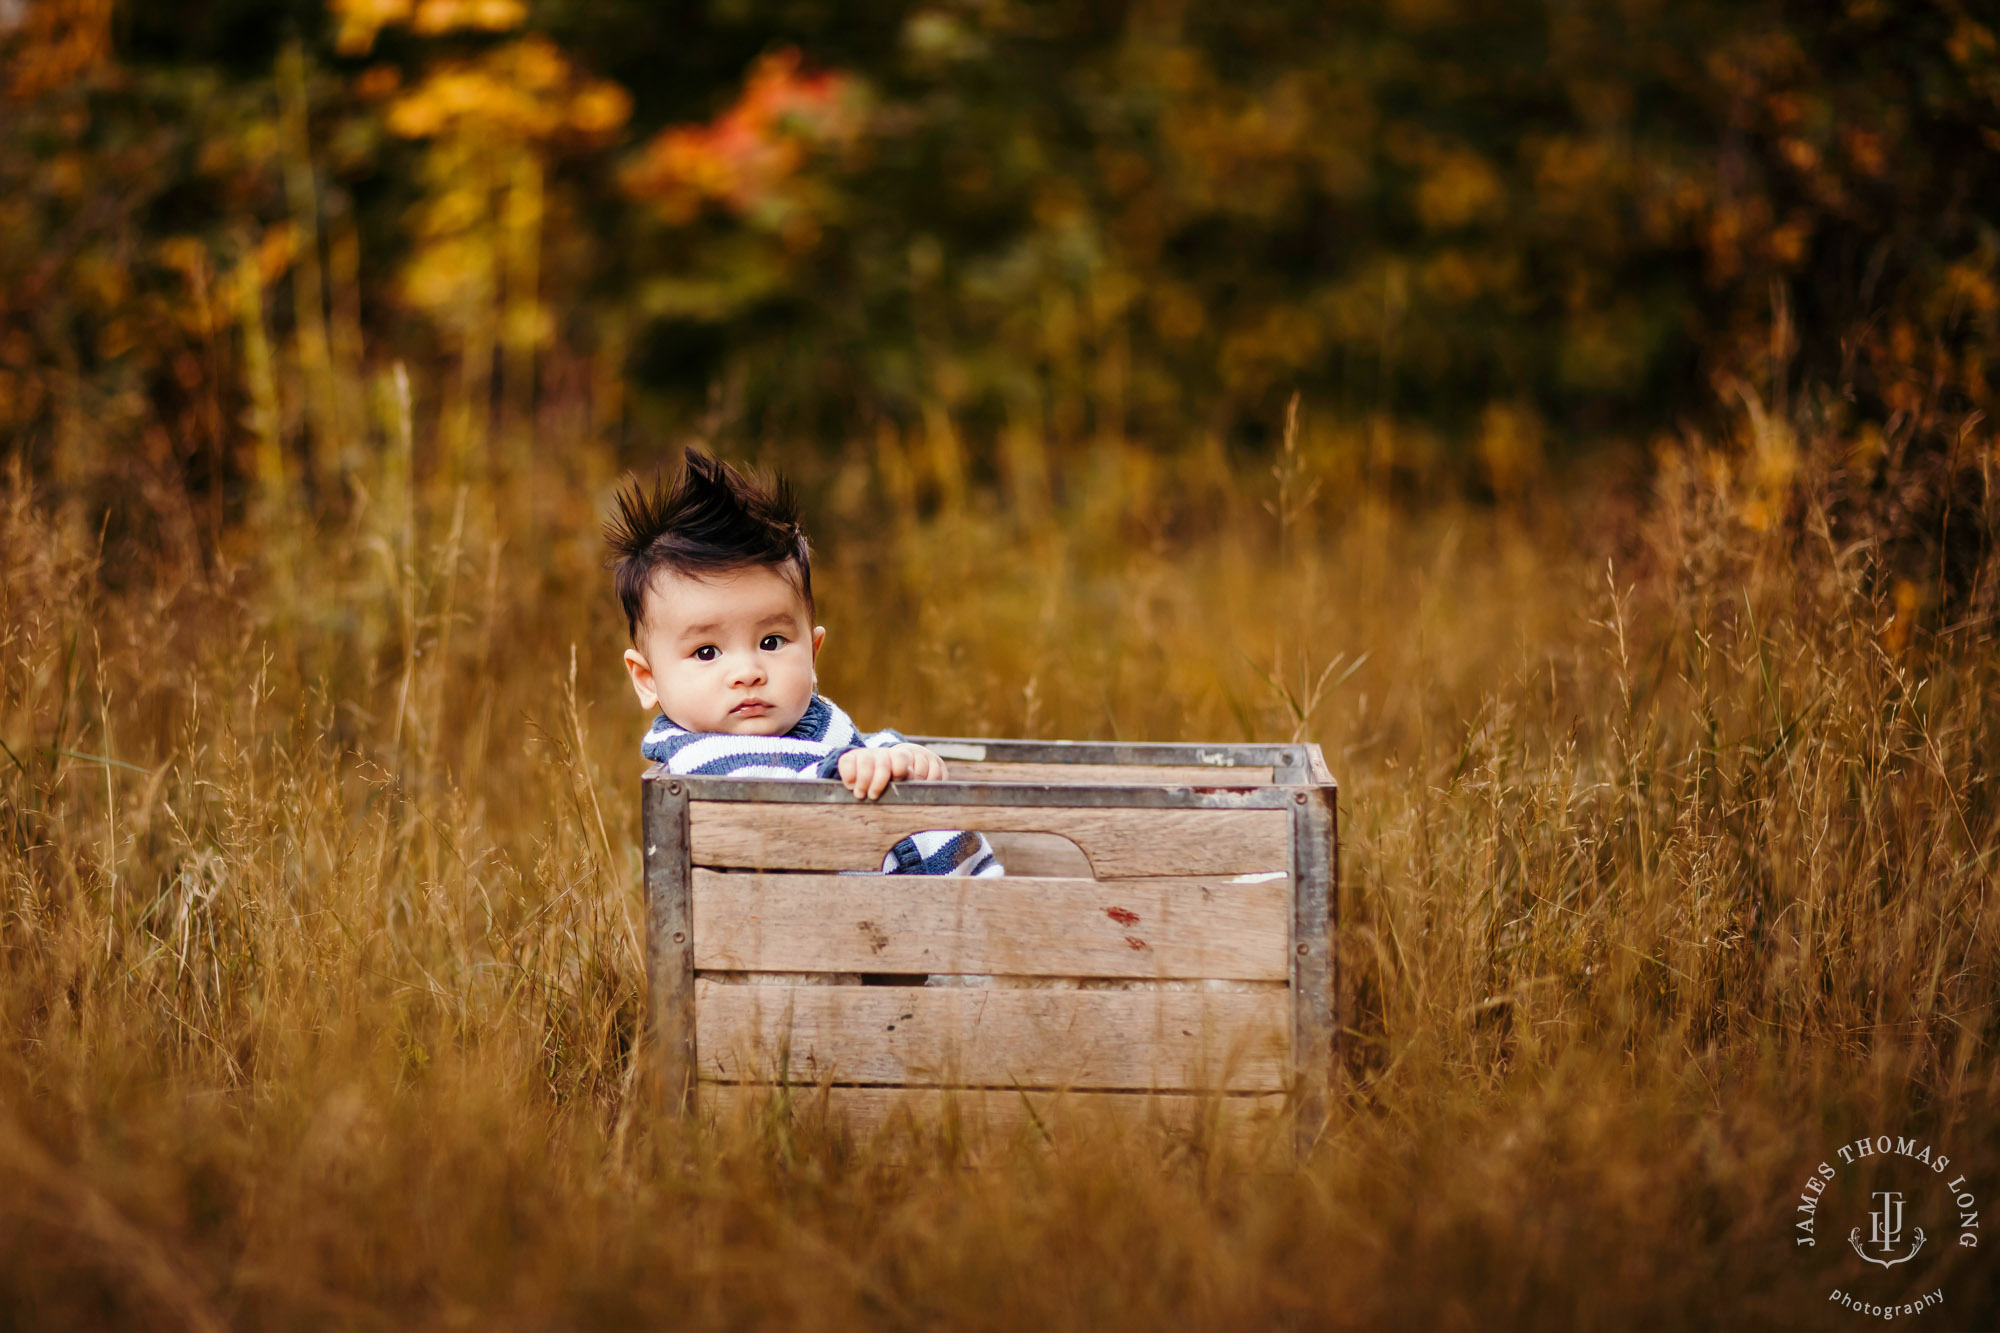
669, 938
1050, 795
867, 1112
1144, 775
1043, 855
1192, 927
1225, 855
1168, 1040
1118, 842
1288, 763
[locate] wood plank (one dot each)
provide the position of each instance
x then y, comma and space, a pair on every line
1314, 1029
669, 941
1012, 795
1047, 855
1147, 775
1119, 841
1213, 927
1316, 770
1009, 751
1133, 1039
868, 1112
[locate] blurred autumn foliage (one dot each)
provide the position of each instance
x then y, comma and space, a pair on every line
1482, 240
752, 159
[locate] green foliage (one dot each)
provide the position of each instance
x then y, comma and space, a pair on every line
1120, 225
1006, 243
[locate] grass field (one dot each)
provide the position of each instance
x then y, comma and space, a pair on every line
1669, 848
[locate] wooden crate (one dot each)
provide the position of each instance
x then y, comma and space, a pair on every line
1162, 942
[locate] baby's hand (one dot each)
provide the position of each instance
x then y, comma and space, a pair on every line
868, 773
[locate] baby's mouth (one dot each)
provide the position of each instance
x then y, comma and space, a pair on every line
751, 706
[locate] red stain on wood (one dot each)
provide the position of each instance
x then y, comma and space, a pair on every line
1135, 941
1124, 916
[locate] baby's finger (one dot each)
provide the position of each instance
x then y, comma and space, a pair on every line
880, 783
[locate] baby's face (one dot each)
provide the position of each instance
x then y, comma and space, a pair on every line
731, 652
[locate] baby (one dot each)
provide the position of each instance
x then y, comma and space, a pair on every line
715, 576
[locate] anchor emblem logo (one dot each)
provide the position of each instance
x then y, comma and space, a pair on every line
1885, 1231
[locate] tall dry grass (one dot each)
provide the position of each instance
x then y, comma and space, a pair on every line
1669, 852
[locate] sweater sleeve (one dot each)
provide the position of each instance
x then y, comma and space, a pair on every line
829, 767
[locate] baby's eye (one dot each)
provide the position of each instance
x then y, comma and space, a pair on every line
706, 653
770, 643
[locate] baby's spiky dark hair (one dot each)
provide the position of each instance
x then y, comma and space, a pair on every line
710, 518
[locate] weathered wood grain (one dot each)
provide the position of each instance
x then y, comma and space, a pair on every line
1316, 772
1048, 855
867, 1112
1012, 795
1211, 927
669, 941
1132, 1039
1313, 981
996, 749
1149, 775
1119, 841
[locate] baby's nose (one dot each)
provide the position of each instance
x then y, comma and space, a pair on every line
747, 671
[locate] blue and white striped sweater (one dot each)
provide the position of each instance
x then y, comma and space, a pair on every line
812, 749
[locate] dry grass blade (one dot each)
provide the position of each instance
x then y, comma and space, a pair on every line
322, 978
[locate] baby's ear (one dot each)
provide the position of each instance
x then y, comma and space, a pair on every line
819, 637
641, 672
